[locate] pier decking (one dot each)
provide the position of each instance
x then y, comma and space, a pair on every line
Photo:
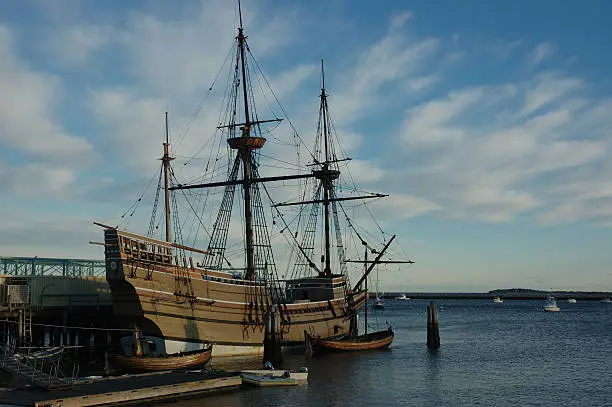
130, 389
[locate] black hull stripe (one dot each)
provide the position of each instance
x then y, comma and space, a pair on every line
257, 344
219, 321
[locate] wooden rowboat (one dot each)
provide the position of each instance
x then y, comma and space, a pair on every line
371, 341
175, 361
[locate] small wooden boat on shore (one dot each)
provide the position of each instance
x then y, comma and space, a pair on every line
371, 341
175, 361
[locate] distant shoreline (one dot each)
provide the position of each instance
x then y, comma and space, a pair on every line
504, 294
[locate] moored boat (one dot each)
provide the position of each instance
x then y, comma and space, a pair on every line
370, 341
607, 300
177, 361
497, 300
267, 380
551, 305
402, 297
379, 303
300, 376
571, 301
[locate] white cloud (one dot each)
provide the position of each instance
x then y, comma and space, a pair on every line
27, 106
73, 45
134, 125
489, 167
402, 206
364, 172
29, 235
426, 124
398, 21
541, 53
422, 82
287, 82
36, 179
503, 49
181, 57
391, 58
549, 88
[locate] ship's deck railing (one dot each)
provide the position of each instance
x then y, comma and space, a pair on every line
42, 266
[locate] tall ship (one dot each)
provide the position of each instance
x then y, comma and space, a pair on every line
179, 298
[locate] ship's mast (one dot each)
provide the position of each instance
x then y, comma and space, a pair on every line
257, 242
245, 152
326, 175
365, 271
166, 163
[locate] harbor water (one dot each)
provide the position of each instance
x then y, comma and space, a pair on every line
508, 354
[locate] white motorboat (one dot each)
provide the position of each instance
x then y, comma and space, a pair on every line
497, 300
299, 376
571, 301
402, 297
379, 303
551, 305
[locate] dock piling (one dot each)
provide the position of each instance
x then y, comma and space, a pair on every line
433, 334
272, 344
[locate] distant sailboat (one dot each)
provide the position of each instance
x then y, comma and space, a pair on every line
378, 302
551, 305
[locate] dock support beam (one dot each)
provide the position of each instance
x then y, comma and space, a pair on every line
272, 343
433, 335
20, 327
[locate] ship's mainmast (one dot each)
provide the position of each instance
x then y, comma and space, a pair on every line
258, 250
326, 175
244, 146
166, 163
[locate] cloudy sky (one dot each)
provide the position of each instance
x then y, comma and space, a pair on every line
488, 123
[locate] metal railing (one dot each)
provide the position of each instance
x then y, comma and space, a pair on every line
42, 368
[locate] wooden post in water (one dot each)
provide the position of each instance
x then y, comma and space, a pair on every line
107, 369
20, 327
272, 345
433, 335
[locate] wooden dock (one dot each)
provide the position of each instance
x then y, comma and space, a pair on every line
130, 389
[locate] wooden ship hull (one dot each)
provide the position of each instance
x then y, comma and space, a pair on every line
177, 361
182, 308
371, 341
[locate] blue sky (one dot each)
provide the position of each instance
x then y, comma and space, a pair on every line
488, 123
